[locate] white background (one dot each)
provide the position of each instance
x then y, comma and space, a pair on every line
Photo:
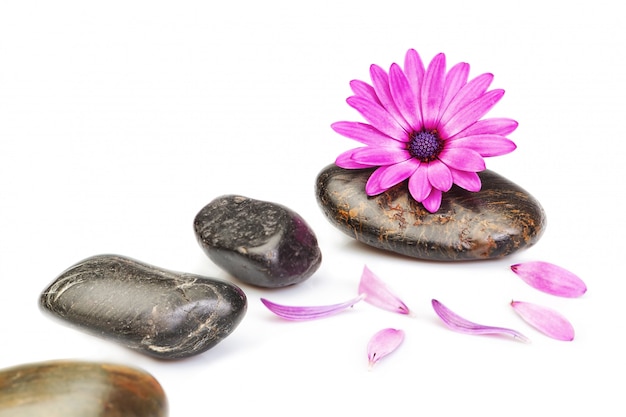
120, 120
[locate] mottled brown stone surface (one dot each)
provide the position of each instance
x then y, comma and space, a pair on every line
79, 389
497, 221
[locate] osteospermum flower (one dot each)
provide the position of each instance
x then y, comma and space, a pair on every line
424, 125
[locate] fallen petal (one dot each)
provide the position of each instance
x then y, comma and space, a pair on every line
550, 278
459, 324
308, 312
382, 344
546, 320
378, 293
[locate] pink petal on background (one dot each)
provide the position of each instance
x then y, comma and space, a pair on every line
550, 278
404, 97
439, 175
378, 294
377, 156
309, 312
432, 90
377, 115
383, 343
485, 145
380, 82
455, 80
463, 159
363, 89
465, 179
414, 70
461, 325
471, 113
374, 184
419, 186
493, 126
364, 133
345, 160
395, 174
468, 93
433, 201
546, 320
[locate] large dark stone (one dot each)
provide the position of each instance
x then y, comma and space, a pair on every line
155, 311
499, 220
79, 389
258, 242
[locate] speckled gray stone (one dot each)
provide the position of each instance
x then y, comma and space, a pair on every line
79, 389
155, 311
258, 242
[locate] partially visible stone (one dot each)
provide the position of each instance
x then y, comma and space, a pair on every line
155, 311
79, 389
258, 242
499, 220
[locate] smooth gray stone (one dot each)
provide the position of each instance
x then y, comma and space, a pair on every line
155, 311
258, 242
79, 389
500, 219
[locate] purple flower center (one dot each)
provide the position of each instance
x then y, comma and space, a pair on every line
425, 145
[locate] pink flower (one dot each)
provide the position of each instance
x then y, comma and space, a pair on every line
424, 125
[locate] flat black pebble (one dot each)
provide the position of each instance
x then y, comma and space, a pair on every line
79, 389
258, 242
499, 220
158, 312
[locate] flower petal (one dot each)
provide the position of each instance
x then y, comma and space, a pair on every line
388, 176
471, 113
380, 80
364, 133
311, 312
374, 184
550, 278
485, 145
378, 294
378, 117
493, 126
376, 156
466, 179
404, 97
546, 320
433, 201
470, 92
461, 325
395, 174
414, 71
439, 175
462, 158
432, 89
344, 160
383, 343
455, 80
363, 89
419, 186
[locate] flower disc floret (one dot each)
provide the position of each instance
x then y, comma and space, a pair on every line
424, 125
425, 145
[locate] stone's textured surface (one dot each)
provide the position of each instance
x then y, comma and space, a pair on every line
161, 313
497, 221
79, 389
258, 242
